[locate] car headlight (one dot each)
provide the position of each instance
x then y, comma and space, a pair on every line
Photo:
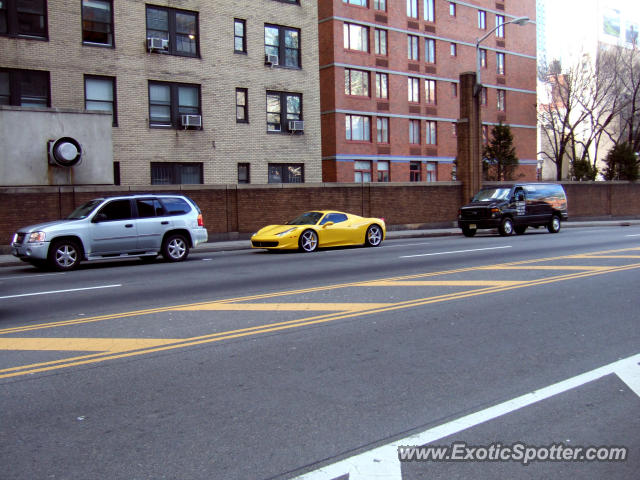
282, 234
36, 237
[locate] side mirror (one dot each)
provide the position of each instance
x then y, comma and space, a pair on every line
100, 217
328, 224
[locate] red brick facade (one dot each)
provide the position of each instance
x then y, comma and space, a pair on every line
518, 81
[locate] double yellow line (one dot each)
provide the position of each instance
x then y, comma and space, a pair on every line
160, 345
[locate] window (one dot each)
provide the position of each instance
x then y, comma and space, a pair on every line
168, 101
414, 132
382, 85
335, 218
242, 106
24, 88
284, 42
430, 50
500, 26
432, 171
282, 108
356, 82
500, 63
380, 41
429, 11
430, 91
454, 49
243, 173
414, 172
452, 9
97, 22
356, 37
413, 86
431, 137
179, 27
358, 128
412, 48
483, 96
380, 5
383, 171
174, 173
24, 18
239, 36
100, 94
412, 8
116, 210
382, 127
502, 97
485, 134
361, 3
483, 58
362, 171
454, 89
482, 20
454, 129
286, 173
116, 173
149, 207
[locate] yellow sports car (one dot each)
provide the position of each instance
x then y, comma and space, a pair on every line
322, 228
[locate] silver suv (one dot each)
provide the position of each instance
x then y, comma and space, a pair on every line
115, 227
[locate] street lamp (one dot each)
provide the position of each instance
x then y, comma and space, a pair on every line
517, 21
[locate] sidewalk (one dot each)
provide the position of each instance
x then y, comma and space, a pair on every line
223, 246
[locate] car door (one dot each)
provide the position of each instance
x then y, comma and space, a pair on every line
519, 205
152, 222
334, 230
113, 229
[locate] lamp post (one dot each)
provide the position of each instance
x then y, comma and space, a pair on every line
517, 21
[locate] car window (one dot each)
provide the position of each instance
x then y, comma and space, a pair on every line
83, 210
334, 217
116, 210
175, 206
308, 218
149, 207
492, 194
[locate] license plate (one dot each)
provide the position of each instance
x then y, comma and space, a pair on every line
472, 226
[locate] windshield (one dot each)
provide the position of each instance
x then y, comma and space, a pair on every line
83, 210
492, 194
307, 218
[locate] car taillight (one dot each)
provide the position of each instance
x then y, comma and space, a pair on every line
200, 222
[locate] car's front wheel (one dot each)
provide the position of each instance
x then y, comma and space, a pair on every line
506, 227
374, 236
64, 255
175, 248
308, 241
469, 232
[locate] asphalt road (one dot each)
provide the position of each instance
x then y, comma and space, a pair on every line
252, 365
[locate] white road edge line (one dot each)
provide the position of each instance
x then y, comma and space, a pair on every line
634, 235
382, 463
455, 251
59, 291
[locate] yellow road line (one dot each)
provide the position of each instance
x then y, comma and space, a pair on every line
606, 256
440, 283
545, 267
36, 368
83, 344
281, 307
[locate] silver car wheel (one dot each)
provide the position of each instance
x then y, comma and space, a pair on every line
308, 241
374, 236
64, 255
175, 248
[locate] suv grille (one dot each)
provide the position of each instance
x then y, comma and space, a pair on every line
475, 213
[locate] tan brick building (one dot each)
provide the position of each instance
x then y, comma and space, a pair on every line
246, 71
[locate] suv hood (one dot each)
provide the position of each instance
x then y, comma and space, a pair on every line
46, 226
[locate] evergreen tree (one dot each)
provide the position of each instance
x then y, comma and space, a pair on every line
499, 158
622, 163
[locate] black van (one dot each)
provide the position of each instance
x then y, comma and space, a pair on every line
514, 208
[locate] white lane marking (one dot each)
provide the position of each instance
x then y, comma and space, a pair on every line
454, 251
634, 235
404, 245
382, 463
59, 291
630, 374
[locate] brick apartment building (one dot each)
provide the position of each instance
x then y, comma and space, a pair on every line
201, 91
389, 74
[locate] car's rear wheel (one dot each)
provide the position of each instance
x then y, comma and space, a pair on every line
64, 255
374, 236
520, 229
469, 232
554, 224
308, 241
506, 227
175, 248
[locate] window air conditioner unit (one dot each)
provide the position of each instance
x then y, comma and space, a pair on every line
296, 125
154, 43
272, 60
191, 121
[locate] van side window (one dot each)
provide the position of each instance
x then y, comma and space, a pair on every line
175, 206
149, 207
116, 210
